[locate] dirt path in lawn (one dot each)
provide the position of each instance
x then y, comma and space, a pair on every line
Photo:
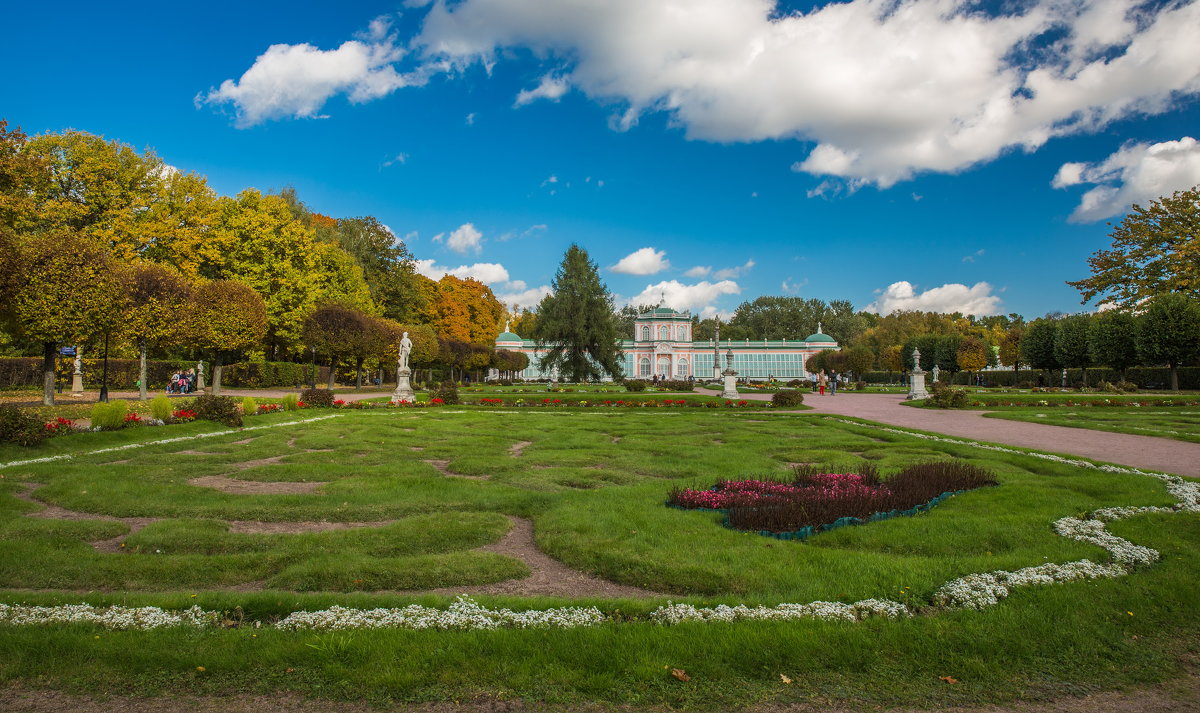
1165, 454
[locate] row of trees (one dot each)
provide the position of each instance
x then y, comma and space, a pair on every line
100, 243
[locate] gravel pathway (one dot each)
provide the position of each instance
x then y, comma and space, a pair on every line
1164, 454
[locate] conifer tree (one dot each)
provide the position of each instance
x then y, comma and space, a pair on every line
576, 324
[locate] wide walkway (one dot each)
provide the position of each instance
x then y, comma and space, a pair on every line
1162, 454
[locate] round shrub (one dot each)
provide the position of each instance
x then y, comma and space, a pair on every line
447, 392
787, 398
109, 416
635, 385
19, 427
222, 409
946, 397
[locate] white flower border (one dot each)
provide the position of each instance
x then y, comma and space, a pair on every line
973, 591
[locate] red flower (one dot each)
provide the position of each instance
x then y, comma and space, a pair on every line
436, 401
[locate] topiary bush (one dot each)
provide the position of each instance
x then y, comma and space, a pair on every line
317, 398
161, 408
222, 409
787, 398
946, 397
109, 416
635, 385
447, 392
21, 428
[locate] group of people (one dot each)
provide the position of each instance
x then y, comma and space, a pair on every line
182, 382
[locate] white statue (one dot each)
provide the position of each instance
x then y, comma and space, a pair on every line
937, 373
405, 349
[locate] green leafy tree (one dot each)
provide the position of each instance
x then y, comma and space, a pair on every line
770, 317
1112, 341
973, 354
1010, 349
69, 292
1155, 250
859, 360
1170, 333
158, 312
1037, 345
335, 331
226, 317
627, 315
576, 325
1071, 343
19, 169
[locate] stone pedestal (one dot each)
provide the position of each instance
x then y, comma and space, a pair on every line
77, 377
403, 392
730, 391
916, 385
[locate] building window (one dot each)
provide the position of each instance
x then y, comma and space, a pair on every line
681, 368
644, 366
683, 334
645, 334
664, 367
664, 333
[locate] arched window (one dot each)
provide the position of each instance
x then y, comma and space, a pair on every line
683, 334
664, 367
644, 364
681, 368
645, 334
664, 333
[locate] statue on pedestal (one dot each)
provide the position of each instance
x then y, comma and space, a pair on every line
937, 373
403, 392
77, 377
916, 384
730, 391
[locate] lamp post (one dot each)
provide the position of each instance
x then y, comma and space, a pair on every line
104, 373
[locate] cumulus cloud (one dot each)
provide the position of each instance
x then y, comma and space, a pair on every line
1137, 173
953, 297
464, 239
698, 271
646, 261
489, 273
297, 80
676, 295
524, 297
885, 88
551, 87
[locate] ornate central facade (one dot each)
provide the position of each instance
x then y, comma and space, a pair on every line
663, 346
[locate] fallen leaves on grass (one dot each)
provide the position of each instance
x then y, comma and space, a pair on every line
680, 674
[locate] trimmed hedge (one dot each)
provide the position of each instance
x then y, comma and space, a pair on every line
17, 372
1144, 376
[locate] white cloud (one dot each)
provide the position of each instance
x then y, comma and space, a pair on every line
471, 119
400, 158
551, 87
523, 297
971, 257
645, 261
793, 287
885, 88
464, 239
953, 297
297, 80
489, 273
1137, 173
729, 273
676, 295
698, 271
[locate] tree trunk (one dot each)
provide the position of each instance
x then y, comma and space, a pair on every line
1174, 376
358, 375
142, 371
332, 372
48, 375
217, 375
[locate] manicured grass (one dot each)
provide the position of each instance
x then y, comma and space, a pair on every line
1181, 424
594, 482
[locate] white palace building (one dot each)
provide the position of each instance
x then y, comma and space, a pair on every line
662, 346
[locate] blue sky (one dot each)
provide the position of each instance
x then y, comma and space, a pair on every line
923, 154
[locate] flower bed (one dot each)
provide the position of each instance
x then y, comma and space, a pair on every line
815, 501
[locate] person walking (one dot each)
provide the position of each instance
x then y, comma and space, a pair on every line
833, 385
822, 383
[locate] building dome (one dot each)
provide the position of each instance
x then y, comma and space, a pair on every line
819, 337
507, 336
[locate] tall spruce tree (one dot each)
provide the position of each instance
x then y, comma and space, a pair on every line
576, 325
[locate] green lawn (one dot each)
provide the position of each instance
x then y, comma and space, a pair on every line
1179, 423
593, 482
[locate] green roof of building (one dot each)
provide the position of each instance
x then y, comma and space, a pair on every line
818, 337
508, 337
